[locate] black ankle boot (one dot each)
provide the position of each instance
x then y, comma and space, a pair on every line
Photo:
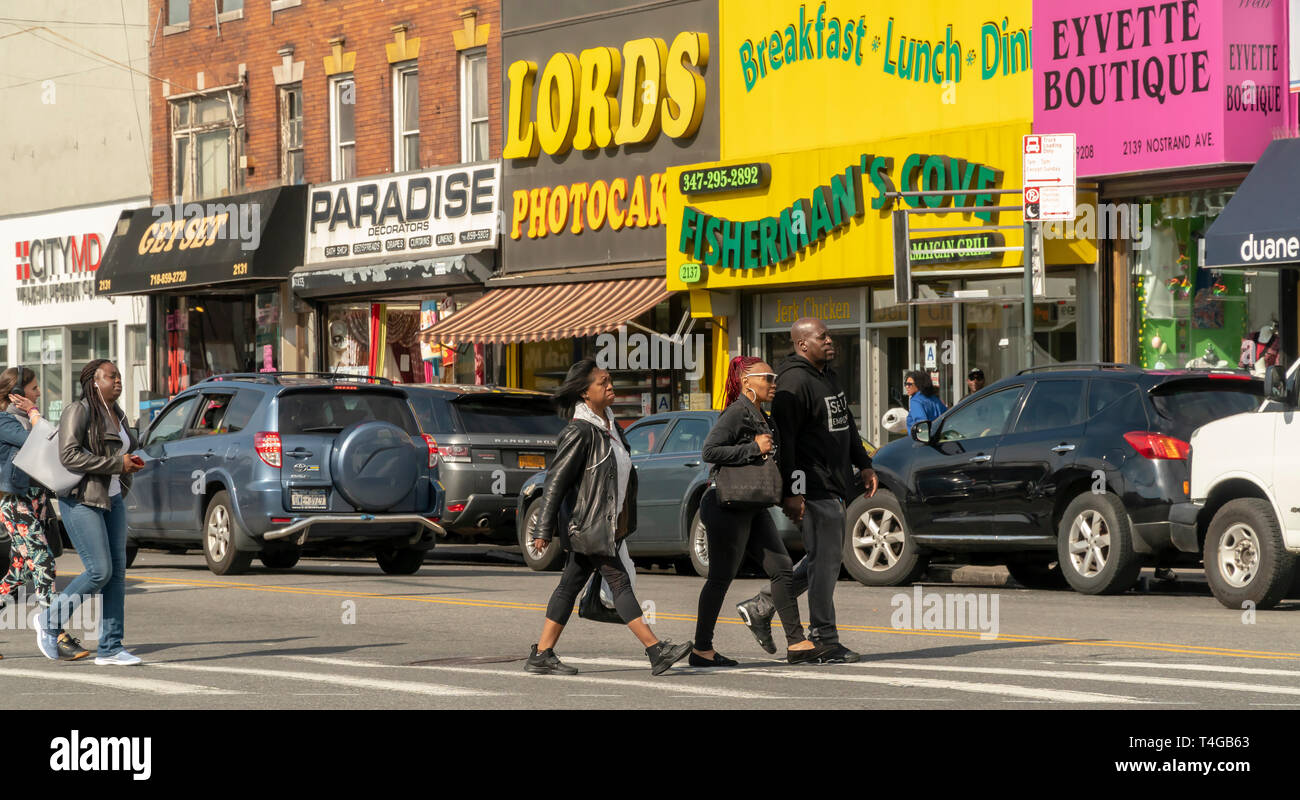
663, 654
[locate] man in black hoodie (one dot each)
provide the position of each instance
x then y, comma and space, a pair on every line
820, 451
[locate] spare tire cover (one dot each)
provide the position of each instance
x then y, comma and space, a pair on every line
374, 465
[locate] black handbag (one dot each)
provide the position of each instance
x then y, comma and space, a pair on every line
590, 607
750, 486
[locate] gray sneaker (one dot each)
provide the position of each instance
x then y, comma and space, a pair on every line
48, 644
757, 613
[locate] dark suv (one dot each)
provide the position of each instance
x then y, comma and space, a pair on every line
1065, 472
489, 440
281, 464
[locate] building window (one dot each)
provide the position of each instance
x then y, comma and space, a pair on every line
291, 153
206, 144
343, 139
57, 355
227, 6
474, 106
178, 12
406, 118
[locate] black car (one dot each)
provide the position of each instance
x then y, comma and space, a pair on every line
1065, 472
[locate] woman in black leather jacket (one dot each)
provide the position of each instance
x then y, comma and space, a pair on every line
592, 475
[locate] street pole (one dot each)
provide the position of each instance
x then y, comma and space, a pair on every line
1028, 253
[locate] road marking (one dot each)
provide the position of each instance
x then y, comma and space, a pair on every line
119, 682
670, 686
1103, 677
1163, 647
433, 689
1290, 673
1010, 690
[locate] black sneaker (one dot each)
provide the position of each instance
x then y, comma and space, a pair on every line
718, 660
547, 663
757, 615
812, 655
837, 654
663, 654
70, 649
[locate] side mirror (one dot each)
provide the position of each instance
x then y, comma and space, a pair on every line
921, 432
1275, 384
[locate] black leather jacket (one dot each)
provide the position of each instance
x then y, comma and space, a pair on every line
584, 462
95, 456
730, 442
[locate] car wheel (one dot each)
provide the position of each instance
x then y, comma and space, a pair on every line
220, 538
878, 551
401, 561
698, 542
1094, 545
1245, 558
280, 558
549, 560
131, 552
1037, 574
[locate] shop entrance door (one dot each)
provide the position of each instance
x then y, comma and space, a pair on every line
886, 364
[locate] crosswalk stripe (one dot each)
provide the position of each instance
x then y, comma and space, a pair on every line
116, 682
813, 673
338, 680
1102, 677
673, 686
1230, 668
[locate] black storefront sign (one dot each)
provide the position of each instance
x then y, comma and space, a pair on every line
250, 237
426, 274
974, 246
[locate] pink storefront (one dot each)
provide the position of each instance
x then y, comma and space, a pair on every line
1171, 103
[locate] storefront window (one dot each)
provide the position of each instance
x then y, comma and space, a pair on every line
214, 335
1186, 316
400, 356
994, 329
842, 312
58, 367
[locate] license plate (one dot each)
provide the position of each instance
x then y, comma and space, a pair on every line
532, 461
308, 499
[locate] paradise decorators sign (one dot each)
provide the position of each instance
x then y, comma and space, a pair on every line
597, 106
800, 76
1148, 86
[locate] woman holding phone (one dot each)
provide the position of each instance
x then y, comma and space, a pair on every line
95, 442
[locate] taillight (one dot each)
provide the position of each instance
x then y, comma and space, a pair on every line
1157, 445
432, 444
456, 508
268, 448
454, 453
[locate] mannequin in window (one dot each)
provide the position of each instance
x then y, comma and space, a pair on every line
1207, 361
1261, 349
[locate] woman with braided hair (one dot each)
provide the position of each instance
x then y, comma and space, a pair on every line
95, 442
743, 434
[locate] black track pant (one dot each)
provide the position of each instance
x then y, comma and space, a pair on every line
731, 534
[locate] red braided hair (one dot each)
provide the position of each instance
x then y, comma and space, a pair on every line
739, 365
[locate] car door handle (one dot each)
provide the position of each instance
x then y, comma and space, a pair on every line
299, 452
1062, 448
691, 464
981, 459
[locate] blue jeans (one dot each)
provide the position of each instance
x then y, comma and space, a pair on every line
100, 539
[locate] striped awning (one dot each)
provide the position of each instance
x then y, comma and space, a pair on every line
554, 311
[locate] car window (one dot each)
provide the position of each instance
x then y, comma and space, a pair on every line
1187, 405
212, 414
1051, 404
332, 410
1117, 402
434, 413
687, 436
241, 410
644, 438
171, 423
508, 415
986, 416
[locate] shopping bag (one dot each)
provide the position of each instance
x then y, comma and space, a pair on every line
39, 458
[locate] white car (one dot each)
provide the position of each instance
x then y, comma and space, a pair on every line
1245, 498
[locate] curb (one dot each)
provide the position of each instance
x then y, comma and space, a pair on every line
968, 574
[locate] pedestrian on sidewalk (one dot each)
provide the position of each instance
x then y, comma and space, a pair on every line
820, 451
744, 435
591, 487
95, 442
923, 403
23, 506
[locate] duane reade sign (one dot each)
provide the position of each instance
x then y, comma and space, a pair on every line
413, 215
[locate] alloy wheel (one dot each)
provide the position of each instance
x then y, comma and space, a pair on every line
1089, 543
878, 539
218, 535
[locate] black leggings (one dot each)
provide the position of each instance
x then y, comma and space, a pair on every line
731, 534
576, 572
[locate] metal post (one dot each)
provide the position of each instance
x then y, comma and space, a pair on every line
1029, 294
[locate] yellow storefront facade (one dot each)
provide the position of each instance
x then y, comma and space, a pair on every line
831, 113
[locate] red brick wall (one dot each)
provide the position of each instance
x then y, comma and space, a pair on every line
366, 24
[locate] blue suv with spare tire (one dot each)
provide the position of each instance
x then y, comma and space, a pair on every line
278, 465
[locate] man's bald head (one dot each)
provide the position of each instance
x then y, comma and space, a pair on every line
804, 328
812, 340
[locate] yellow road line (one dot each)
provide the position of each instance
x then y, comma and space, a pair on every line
1183, 649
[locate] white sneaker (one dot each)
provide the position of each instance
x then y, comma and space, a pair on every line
120, 658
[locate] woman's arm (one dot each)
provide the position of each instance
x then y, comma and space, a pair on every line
74, 453
564, 473
11, 430
724, 445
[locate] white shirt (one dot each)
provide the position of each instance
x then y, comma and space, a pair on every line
115, 485
622, 460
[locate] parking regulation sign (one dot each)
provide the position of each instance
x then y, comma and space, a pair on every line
1049, 177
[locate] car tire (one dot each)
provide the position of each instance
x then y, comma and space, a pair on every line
1245, 558
549, 560
878, 550
697, 544
1037, 574
1094, 545
400, 561
131, 552
221, 535
280, 557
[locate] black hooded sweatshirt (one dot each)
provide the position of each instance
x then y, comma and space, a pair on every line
818, 434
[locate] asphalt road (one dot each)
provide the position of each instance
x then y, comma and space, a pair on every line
342, 635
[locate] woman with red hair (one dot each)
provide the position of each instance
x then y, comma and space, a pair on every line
742, 435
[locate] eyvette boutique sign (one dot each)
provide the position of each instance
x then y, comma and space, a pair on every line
1149, 86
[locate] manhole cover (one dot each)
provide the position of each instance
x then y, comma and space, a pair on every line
462, 660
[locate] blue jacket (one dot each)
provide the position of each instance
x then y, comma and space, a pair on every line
923, 409
12, 436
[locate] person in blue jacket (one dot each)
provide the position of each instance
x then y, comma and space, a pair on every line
923, 403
